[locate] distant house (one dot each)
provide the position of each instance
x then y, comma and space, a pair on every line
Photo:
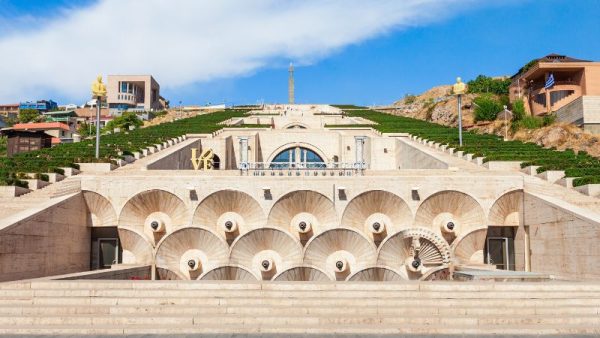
69, 117
133, 93
9, 110
41, 105
60, 132
21, 141
563, 85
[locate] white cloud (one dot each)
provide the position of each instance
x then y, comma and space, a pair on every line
186, 41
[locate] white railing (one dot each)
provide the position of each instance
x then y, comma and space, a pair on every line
302, 169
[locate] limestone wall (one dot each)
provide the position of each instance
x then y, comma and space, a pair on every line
410, 157
53, 241
563, 242
179, 160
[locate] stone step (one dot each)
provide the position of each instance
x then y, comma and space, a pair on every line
366, 309
149, 301
300, 286
317, 320
301, 294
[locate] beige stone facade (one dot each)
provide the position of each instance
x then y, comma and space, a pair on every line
317, 196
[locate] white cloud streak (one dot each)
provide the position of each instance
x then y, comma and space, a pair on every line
186, 41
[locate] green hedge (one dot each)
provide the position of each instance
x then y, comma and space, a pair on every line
492, 147
112, 146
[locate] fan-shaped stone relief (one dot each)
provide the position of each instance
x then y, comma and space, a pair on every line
507, 210
376, 274
302, 273
340, 252
101, 210
266, 252
303, 213
450, 214
136, 247
154, 213
413, 252
377, 213
229, 213
189, 252
469, 248
228, 273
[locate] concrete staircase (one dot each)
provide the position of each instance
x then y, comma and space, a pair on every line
283, 309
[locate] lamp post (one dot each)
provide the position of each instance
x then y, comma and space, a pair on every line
506, 112
98, 92
459, 89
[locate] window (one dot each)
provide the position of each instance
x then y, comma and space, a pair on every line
297, 157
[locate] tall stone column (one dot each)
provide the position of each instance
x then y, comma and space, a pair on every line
291, 84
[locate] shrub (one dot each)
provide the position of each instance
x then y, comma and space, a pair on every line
486, 84
486, 108
29, 115
530, 122
409, 99
518, 109
549, 119
124, 121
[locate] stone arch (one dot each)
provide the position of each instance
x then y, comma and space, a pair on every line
296, 125
302, 273
241, 210
228, 272
507, 210
340, 252
101, 210
176, 251
376, 274
274, 247
400, 251
450, 213
377, 213
287, 146
469, 248
154, 213
313, 208
136, 247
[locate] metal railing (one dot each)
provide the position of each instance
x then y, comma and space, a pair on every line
302, 169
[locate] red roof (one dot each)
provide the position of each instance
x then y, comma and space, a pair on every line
41, 126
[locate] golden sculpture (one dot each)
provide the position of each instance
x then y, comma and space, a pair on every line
205, 161
98, 88
459, 87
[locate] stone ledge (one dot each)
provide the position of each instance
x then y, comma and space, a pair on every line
530, 170
35, 184
589, 189
96, 167
503, 165
12, 191
551, 175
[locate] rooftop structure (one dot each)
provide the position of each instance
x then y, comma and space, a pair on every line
563, 85
41, 105
9, 110
133, 92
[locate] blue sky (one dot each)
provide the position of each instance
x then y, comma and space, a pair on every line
493, 39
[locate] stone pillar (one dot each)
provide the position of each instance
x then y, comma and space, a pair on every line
359, 151
243, 149
527, 248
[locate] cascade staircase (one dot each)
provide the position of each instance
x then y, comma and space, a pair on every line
298, 308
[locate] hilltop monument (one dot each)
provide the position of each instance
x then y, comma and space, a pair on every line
291, 84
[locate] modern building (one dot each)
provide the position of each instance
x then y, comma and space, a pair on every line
563, 85
9, 110
60, 132
134, 93
41, 105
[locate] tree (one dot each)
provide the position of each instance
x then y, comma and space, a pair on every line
86, 129
124, 121
486, 108
29, 115
486, 84
518, 109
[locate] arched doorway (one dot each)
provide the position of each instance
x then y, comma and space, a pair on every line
297, 157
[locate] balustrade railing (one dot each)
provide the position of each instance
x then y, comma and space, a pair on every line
302, 168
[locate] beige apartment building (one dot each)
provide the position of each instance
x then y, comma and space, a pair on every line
133, 92
574, 95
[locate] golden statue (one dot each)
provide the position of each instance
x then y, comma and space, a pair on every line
459, 87
98, 88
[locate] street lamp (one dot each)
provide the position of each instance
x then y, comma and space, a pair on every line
459, 89
506, 112
98, 92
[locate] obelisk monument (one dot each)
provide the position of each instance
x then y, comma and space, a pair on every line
291, 84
